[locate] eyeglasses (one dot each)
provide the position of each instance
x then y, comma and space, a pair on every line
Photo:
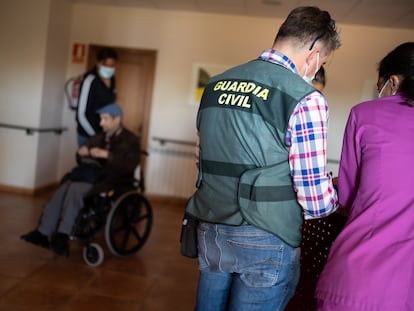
332, 24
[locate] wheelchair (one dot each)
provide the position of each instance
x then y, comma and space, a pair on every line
122, 214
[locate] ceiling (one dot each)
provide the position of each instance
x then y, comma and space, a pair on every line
379, 13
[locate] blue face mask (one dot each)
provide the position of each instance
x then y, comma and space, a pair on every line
106, 72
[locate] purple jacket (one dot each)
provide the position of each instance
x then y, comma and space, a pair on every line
371, 263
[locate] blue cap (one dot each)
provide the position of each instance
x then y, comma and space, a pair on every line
112, 109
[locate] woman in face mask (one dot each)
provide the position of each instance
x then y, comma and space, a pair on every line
370, 265
96, 91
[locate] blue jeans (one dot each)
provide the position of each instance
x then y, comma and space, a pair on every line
243, 268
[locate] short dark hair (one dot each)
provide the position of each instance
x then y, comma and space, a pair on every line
308, 25
105, 53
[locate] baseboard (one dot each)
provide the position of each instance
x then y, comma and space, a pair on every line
27, 191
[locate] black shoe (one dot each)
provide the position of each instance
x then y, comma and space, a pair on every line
37, 238
60, 244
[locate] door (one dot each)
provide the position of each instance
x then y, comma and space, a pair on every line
134, 76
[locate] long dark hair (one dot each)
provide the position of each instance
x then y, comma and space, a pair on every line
400, 61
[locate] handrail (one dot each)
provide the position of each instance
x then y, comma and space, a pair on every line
164, 141
31, 130
333, 161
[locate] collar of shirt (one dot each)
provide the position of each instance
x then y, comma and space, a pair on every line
276, 57
111, 136
307, 156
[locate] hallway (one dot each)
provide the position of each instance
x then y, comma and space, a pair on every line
157, 278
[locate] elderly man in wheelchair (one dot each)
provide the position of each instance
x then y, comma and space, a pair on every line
108, 158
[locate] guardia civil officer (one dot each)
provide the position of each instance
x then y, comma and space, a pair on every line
262, 168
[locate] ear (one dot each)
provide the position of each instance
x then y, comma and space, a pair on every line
394, 83
312, 54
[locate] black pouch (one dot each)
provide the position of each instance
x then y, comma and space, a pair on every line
188, 236
85, 173
88, 170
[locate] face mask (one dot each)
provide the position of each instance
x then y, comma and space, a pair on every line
106, 72
382, 89
307, 79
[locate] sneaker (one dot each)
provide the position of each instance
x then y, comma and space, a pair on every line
60, 244
37, 238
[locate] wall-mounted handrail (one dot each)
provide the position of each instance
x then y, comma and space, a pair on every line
333, 161
32, 130
164, 141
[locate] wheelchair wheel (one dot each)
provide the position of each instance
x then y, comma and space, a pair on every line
128, 224
93, 254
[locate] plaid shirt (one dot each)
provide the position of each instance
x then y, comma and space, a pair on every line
306, 137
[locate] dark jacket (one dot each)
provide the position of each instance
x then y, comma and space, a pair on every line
94, 94
124, 154
118, 168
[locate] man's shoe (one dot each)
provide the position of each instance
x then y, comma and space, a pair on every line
60, 244
36, 237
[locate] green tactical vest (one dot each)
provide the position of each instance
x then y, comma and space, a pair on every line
244, 173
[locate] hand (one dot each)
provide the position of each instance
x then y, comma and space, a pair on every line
83, 151
99, 153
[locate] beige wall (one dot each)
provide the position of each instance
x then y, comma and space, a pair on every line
34, 39
57, 50
352, 73
181, 39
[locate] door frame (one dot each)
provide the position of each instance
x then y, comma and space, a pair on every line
150, 58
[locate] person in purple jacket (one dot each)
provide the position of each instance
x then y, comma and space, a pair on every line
371, 263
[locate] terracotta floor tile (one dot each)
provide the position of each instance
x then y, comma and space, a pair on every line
20, 265
28, 296
7, 283
57, 273
89, 302
31, 278
121, 286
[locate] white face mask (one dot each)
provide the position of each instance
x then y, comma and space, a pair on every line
383, 88
106, 72
307, 79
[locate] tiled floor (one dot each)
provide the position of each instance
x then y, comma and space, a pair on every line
156, 278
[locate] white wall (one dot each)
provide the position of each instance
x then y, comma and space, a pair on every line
352, 74
57, 50
184, 38
23, 27
33, 63
34, 42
